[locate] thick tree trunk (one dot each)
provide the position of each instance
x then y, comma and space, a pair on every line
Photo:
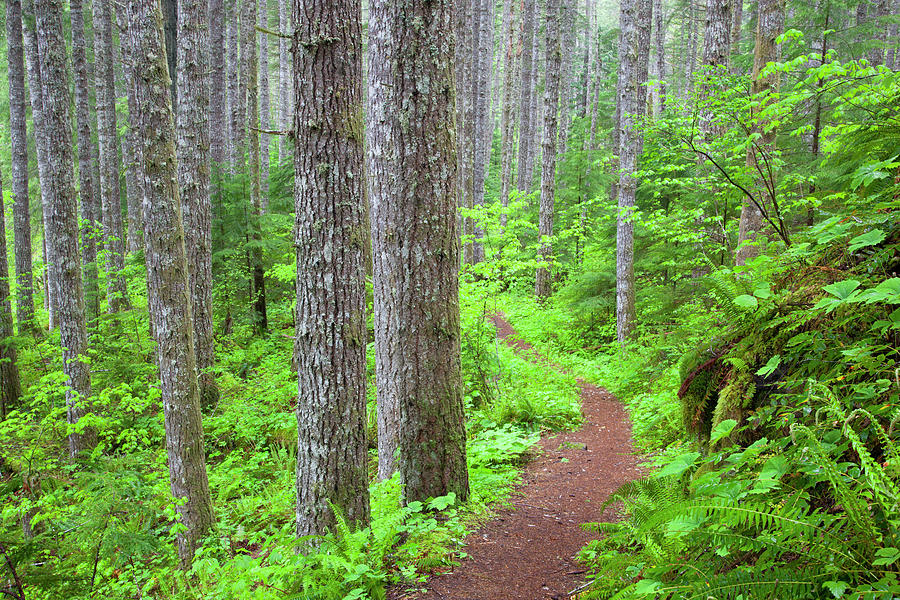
660, 38
737, 24
192, 129
548, 154
167, 272
717, 34
87, 186
170, 28
35, 93
510, 45
567, 26
329, 195
62, 220
526, 116
10, 385
19, 150
769, 25
249, 70
416, 248
265, 108
217, 87
110, 201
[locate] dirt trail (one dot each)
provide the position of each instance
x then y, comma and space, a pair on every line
528, 551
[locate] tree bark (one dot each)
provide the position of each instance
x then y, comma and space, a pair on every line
217, 86
548, 155
62, 221
168, 285
416, 249
10, 385
659, 17
467, 56
717, 34
110, 201
566, 25
35, 93
526, 115
510, 44
483, 124
193, 132
737, 24
769, 25
87, 186
249, 70
330, 238
234, 98
880, 10
265, 107
19, 163
285, 77
170, 28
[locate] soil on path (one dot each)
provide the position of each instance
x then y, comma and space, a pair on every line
528, 552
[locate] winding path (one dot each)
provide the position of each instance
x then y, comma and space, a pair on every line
528, 552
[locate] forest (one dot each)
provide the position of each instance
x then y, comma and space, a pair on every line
421, 299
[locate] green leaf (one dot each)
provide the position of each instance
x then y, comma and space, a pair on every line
679, 465
872, 238
886, 556
763, 291
842, 289
888, 291
646, 586
746, 301
770, 366
837, 588
721, 430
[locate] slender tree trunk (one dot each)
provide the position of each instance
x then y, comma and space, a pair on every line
416, 248
483, 125
467, 57
567, 27
110, 201
86, 157
249, 68
692, 44
634, 47
217, 87
35, 93
893, 51
548, 155
329, 195
10, 385
265, 107
234, 97
285, 77
62, 220
192, 128
167, 273
19, 150
880, 10
511, 42
594, 74
737, 24
661, 72
526, 126
769, 25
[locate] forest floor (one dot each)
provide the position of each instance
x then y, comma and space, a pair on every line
528, 551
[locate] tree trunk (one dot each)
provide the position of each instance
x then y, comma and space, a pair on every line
717, 35
168, 285
737, 24
10, 385
467, 57
567, 26
285, 78
510, 44
265, 107
769, 25
217, 88
35, 93
234, 97
634, 20
329, 195
170, 27
660, 19
193, 133
548, 154
483, 124
526, 116
62, 220
19, 162
110, 201
249, 70
416, 248
880, 10
86, 157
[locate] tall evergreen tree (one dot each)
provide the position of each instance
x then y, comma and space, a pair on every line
510, 50
330, 232
217, 84
416, 249
19, 150
10, 385
167, 272
62, 220
526, 115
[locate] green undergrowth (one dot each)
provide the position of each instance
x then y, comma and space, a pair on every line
106, 528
